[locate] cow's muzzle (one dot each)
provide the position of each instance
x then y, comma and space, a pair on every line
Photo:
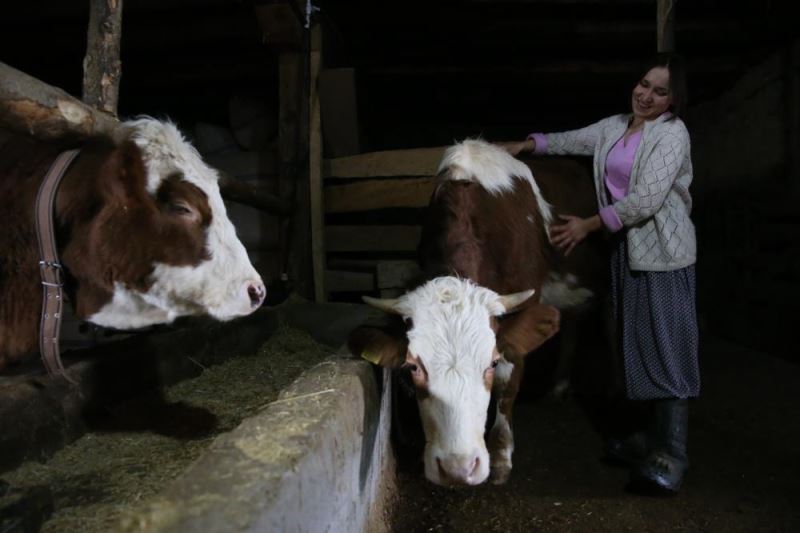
256, 292
460, 469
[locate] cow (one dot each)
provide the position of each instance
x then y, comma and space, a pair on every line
478, 310
142, 235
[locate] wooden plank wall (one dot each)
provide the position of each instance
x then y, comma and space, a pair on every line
372, 205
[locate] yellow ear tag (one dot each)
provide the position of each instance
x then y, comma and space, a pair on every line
375, 359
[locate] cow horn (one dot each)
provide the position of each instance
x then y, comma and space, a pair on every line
385, 304
511, 301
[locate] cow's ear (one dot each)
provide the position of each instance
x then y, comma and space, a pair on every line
523, 332
378, 346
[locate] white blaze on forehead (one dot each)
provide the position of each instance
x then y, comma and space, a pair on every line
492, 167
166, 152
451, 324
214, 286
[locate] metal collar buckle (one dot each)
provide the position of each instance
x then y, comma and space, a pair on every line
43, 265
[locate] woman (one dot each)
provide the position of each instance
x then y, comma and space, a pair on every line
642, 172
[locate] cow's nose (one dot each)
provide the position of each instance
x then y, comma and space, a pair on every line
459, 469
256, 292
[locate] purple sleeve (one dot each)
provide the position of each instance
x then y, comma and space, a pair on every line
541, 143
610, 218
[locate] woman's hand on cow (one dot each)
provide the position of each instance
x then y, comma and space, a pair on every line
567, 235
514, 148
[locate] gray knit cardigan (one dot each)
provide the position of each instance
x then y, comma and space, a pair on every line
656, 209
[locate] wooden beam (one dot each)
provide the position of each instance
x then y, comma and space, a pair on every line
414, 162
372, 238
315, 168
378, 194
248, 194
101, 64
665, 26
34, 108
349, 281
261, 165
293, 137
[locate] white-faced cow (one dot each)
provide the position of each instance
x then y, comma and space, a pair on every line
484, 254
142, 235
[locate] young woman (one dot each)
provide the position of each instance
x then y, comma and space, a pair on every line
642, 172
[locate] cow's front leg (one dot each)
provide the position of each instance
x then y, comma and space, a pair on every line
501, 437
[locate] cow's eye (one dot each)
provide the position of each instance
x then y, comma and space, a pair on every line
184, 210
412, 367
495, 363
180, 208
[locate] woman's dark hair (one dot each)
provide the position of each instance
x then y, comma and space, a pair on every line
677, 78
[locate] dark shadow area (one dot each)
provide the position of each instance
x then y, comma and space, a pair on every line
156, 414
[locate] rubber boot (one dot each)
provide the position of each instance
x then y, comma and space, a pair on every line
663, 469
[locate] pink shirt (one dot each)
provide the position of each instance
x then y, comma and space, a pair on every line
618, 172
618, 176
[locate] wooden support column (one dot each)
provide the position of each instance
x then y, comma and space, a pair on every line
102, 67
665, 26
315, 167
281, 23
293, 171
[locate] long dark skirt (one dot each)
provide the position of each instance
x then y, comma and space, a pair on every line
657, 327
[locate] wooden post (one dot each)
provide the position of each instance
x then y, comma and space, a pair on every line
665, 26
315, 168
101, 64
792, 114
282, 27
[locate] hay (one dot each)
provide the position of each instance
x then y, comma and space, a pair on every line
106, 474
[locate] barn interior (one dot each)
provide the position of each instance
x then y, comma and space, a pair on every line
395, 82
426, 74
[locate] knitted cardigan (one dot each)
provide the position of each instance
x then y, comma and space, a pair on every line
656, 210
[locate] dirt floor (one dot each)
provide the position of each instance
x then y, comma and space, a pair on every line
744, 477
132, 452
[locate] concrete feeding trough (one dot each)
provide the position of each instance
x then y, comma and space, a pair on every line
286, 432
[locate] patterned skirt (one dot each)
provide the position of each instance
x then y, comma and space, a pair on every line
656, 319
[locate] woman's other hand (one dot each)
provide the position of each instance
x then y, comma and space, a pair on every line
567, 235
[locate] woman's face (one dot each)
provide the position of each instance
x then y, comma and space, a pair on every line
652, 96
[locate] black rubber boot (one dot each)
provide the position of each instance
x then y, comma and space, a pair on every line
663, 469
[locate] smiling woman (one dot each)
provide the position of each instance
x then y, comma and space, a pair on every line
642, 173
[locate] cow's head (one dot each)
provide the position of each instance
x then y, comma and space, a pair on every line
453, 344
160, 244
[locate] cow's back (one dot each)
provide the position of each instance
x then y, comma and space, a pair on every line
496, 239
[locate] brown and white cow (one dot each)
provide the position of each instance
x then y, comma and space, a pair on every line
142, 234
484, 253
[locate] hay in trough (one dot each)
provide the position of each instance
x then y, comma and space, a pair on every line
141, 446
